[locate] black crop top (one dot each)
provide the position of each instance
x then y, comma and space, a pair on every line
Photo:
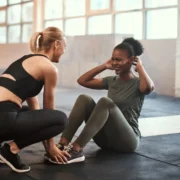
25, 85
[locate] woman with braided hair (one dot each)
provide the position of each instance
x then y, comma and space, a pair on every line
112, 122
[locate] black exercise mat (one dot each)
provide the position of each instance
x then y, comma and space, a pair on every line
108, 166
156, 158
34, 153
164, 148
7, 174
105, 166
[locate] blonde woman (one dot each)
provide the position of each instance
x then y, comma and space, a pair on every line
22, 81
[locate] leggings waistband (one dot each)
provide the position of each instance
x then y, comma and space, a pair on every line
9, 106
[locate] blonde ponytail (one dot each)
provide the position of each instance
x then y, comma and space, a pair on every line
43, 40
34, 42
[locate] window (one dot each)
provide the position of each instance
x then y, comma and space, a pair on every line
53, 10
2, 34
3, 3
2, 16
129, 23
162, 24
14, 34
160, 3
100, 24
99, 4
27, 32
13, 1
75, 26
127, 4
27, 7
19, 21
3, 22
14, 14
56, 23
74, 8
54, 13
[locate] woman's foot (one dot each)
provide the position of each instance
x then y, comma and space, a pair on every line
12, 160
47, 157
1, 161
76, 156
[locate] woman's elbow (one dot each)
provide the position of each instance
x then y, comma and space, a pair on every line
81, 82
147, 90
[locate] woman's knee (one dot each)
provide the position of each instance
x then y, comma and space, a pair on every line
105, 101
61, 119
85, 99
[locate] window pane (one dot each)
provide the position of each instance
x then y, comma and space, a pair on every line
2, 16
2, 34
27, 32
129, 23
14, 14
162, 24
127, 4
53, 10
100, 24
75, 27
14, 1
27, 7
99, 4
57, 23
160, 3
74, 8
3, 3
14, 33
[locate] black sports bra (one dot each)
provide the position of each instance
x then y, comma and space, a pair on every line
25, 85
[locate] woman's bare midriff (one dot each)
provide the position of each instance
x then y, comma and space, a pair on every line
6, 95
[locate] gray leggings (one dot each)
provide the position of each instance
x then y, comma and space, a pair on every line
105, 123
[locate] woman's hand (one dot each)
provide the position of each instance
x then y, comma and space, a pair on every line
58, 155
137, 63
108, 64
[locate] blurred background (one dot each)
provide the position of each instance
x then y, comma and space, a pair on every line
93, 28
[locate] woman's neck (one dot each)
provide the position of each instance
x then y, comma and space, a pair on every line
47, 54
126, 76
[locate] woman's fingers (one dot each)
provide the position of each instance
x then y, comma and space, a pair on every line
66, 154
64, 158
57, 160
60, 159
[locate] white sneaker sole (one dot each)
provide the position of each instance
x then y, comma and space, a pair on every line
12, 167
1, 161
80, 159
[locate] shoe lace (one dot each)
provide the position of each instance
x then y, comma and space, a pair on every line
59, 145
68, 148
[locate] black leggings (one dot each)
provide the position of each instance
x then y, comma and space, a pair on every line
27, 127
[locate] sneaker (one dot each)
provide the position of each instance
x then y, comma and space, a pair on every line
61, 146
12, 160
47, 156
75, 155
1, 161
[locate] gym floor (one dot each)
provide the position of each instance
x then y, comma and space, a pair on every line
158, 156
